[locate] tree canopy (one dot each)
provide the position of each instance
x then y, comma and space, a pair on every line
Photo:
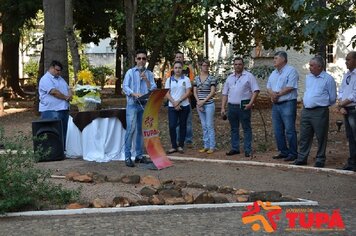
282, 23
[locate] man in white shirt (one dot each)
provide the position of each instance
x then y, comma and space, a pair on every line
347, 107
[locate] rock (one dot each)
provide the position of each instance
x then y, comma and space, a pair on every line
174, 201
242, 192
99, 178
195, 185
148, 191
83, 178
156, 200
71, 174
180, 183
142, 202
242, 198
226, 189
219, 198
75, 206
188, 198
204, 198
131, 179
211, 187
167, 193
121, 202
114, 179
150, 180
270, 196
99, 203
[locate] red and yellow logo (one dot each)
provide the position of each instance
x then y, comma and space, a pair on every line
298, 219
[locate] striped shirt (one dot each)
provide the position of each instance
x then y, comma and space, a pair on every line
204, 87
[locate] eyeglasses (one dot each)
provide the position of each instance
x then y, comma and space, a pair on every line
205, 65
59, 70
348, 79
141, 58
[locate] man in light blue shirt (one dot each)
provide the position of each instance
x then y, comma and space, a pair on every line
55, 94
282, 88
137, 82
347, 107
320, 93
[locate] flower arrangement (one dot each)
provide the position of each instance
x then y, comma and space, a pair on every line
86, 96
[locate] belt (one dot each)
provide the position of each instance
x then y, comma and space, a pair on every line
279, 103
350, 108
317, 107
234, 104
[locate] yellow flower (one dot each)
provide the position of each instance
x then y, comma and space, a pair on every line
86, 77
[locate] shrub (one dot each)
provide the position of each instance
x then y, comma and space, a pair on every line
100, 73
24, 187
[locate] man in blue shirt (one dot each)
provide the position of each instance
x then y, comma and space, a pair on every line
347, 107
282, 88
137, 82
320, 93
55, 94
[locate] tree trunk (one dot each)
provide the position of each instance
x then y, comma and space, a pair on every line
10, 59
118, 71
130, 12
2, 81
55, 44
72, 41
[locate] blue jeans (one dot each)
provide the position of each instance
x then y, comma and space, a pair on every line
350, 127
283, 121
134, 114
236, 115
174, 118
58, 115
189, 133
207, 124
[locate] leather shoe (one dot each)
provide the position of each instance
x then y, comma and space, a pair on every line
247, 154
350, 168
290, 158
300, 163
143, 160
279, 156
319, 164
129, 163
232, 152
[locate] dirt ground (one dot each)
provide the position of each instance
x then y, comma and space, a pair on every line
20, 114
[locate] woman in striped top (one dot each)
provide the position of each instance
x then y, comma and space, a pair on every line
204, 89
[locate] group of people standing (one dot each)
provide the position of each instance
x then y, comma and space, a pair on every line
320, 93
239, 94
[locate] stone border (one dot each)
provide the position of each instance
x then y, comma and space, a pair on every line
256, 163
303, 202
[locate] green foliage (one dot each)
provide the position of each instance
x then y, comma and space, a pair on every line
22, 186
100, 73
282, 23
261, 72
31, 70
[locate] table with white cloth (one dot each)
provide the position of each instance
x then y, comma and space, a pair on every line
97, 135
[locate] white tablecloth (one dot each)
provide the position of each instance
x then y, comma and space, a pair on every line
102, 140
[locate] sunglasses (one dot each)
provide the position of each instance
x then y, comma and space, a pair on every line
141, 58
59, 70
348, 78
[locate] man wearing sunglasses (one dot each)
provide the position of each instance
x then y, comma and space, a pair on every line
55, 94
138, 81
347, 107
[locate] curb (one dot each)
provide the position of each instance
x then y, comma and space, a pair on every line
303, 202
255, 163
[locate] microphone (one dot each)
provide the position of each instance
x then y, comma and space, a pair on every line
142, 69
